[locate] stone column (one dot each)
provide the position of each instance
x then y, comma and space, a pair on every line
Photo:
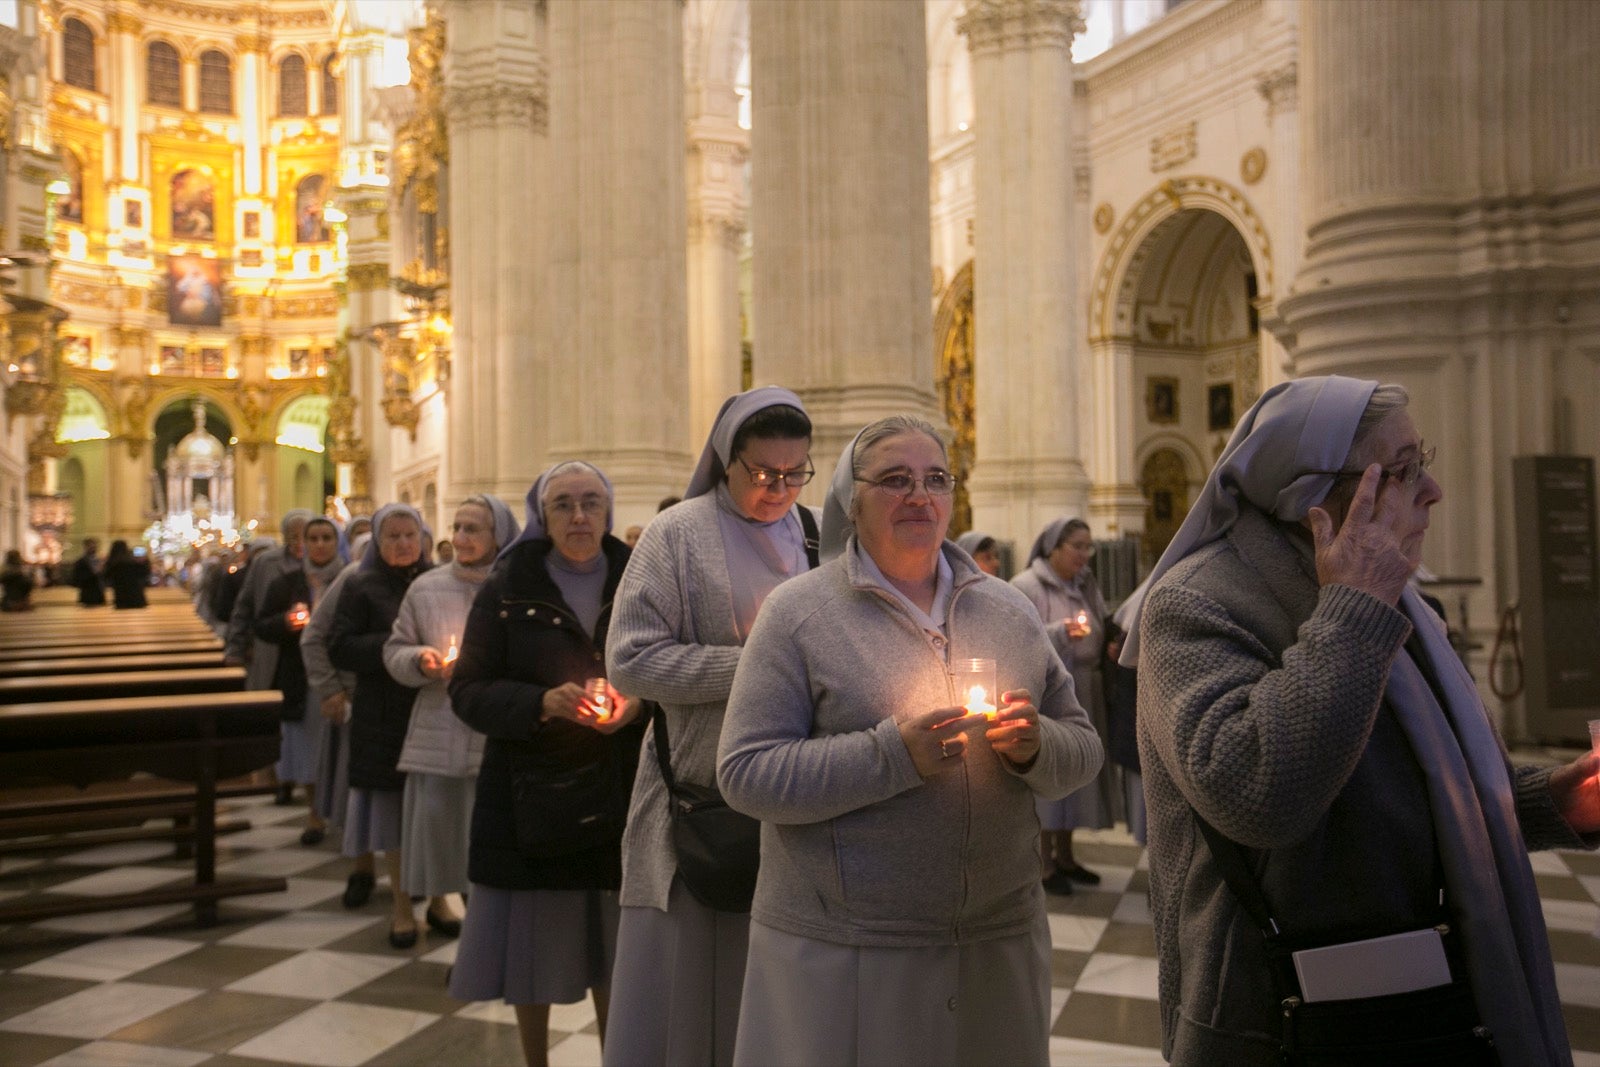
1280, 90
127, 68
1444, 253
356, 425
495, 109
840, 309
618, 383
718, 148
1029, 466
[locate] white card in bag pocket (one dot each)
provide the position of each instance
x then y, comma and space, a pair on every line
1379, 966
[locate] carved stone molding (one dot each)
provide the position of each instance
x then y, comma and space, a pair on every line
1280, 88
124, 22
1104, 216
489, 104
369, 277
1001, 24
1253, 165
1174, 147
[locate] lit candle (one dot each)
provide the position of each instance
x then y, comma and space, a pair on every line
976, 678
300, 613
1083, 621
599, 697
451, 653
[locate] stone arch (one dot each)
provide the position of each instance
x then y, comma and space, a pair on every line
723, 44
1195, 465
163, 397
1116, 276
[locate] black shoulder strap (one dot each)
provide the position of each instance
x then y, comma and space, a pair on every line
1236, 872
808, 523
663, 748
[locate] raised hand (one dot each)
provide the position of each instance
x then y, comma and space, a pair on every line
1366, 552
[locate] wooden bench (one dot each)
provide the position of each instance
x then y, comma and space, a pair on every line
198, 738
106, 664
113, 684
85, 651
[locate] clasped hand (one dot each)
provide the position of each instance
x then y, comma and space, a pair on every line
937, 740
432, 664
569, 701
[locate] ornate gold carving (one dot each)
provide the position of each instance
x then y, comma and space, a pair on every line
1174, 147
124, 22
259, 41
956, 384
421, 144
33, 242
369, 277
1104, 216
1253, 165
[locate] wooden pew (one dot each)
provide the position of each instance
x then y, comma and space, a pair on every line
197, 738
81, 651
111, 685
104, 664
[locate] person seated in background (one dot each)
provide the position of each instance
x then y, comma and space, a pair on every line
16, 583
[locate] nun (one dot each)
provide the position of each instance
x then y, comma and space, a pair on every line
1304, 720
984, 550
699, 575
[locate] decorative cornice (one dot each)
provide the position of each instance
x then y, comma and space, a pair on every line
259, 41
1002, 24
124, 22
486, 104
368, 277
1280, 88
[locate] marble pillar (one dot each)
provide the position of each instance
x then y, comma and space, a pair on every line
717, 150
1450, 177
618, 391
495, 109
839, 213
1029, 464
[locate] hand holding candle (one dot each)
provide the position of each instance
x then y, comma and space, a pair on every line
1078, 626
1015, 733
299, 615
452, 653
598, 693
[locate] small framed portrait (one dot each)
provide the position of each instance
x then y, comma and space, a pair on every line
252, 224
213, 362
1161, 399
1219, 407
1161, 505
133, 214
174, 360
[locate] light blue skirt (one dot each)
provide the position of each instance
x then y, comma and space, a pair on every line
535, 946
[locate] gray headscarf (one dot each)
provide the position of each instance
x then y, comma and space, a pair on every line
291, 518
837, 525
1295, 429
504, 523
1049, 538
533, 528
972, 540
735, 412
319, 578
371, 560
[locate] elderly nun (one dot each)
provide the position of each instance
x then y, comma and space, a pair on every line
441, 753
700, 574
984, 550
552, 795
1310, 742
898, 914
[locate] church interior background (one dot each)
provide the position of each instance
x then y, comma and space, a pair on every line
328, 253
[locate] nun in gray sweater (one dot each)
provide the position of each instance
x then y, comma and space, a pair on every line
898, 915
442, 753
685, 607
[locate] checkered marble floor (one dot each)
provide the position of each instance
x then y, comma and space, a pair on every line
294, 978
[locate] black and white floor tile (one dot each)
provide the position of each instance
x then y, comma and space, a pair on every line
295, 978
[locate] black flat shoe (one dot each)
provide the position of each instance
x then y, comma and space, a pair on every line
1058, 883
1081, 874
313, 836
442, 927
403, 939
285, 795
357, 888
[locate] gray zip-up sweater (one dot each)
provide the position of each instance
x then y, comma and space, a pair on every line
434, 610
856, 848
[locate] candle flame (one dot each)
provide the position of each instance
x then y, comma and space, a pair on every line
452, 652
978, 701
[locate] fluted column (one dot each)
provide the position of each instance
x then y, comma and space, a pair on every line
839, 212
718, 148
1029, 466
618, 384
1280, 91
1451, 178
495, 110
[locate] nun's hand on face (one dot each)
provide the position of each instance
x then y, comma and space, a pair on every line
1366, 553
565, 701
1015, 733
937, 740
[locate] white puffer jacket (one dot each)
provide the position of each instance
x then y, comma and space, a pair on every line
435, 609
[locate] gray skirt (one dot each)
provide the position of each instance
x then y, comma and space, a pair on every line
301, 749
372, 822
333, 771
679, 976
1098, 804
535, 946
810, 1002
435, 826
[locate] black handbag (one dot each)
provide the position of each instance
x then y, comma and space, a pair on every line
1437, 1027
559, 812
718, 849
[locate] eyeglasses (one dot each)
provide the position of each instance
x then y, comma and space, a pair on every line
1407, 474
1087, 550
766, 477
566, 506
936, 483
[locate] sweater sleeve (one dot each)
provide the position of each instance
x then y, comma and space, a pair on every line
645, 653
1261, 748
405, 643
321, 674
770, 767
354, 645
480, 694
1070, 750
240, 633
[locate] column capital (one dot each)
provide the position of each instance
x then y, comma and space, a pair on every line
124, 22
484, 104
1280, 87
999, 24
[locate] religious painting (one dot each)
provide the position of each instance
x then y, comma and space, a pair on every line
249, 257
309, 227
1161, 399
299, 361
133, 214
213, 362
174, 360
69, 205
194, 291
252, 224
193, 206
1219, 407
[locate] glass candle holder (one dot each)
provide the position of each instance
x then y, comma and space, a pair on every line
452, 653
975, 682
598, 694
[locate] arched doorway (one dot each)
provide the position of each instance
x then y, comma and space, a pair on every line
1164, 481
954, 338
304, 469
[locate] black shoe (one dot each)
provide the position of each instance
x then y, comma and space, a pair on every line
402, 939
285, 795
313, 836
1081, 874
442, 927
1058, 883
357, 889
